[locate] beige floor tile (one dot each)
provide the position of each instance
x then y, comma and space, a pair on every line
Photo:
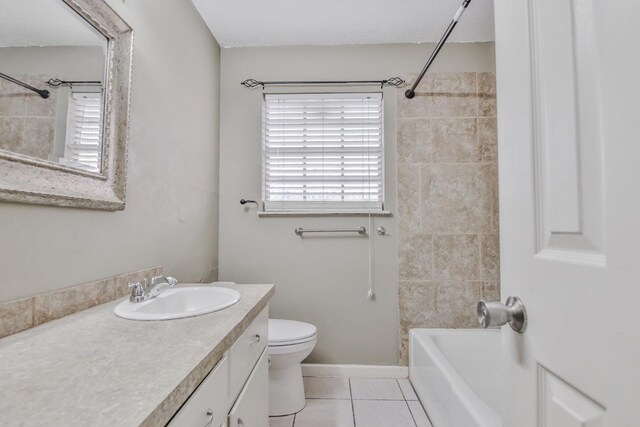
326, 388
419, 415
376, 389
281, 421
326, 413
376, 413
407, 389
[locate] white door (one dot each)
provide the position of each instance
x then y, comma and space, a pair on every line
568, 74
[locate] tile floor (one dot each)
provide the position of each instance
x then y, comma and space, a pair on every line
357, 402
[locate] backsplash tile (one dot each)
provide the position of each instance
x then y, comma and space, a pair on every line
448, 253
18, 315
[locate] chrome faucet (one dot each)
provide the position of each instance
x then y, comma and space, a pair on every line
149, 289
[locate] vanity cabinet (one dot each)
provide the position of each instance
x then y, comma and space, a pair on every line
207, 406
252, 407
236, 392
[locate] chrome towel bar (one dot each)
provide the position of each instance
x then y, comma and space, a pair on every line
360, 230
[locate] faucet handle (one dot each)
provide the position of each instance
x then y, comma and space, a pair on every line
172, 281
137, 292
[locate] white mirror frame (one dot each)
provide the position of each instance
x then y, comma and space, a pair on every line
25, 179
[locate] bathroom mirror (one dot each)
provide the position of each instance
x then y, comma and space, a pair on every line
65, 71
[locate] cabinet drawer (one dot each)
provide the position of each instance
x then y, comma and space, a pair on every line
245, 352
207, 406
252, 407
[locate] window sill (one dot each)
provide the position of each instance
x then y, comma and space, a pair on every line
264, 214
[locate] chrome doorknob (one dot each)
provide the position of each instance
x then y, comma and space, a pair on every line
495, 313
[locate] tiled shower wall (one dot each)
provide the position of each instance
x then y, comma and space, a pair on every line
27, 121
448, 255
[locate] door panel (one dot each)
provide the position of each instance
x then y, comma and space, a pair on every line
568, 114
566, 129
562, 405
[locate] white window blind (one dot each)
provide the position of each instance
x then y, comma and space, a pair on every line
84, 131
323, 152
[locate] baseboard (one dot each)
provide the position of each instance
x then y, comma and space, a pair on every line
362, 371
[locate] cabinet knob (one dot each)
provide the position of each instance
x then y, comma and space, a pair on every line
255, 339
210, 419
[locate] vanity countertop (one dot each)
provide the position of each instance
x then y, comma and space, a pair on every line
94, 369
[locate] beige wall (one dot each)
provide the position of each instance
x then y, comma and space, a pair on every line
171, 213
322, 280
448, 255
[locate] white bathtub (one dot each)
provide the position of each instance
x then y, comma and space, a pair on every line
456, 373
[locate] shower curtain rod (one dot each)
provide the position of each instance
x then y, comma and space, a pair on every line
410, 93
393, 81
43, 93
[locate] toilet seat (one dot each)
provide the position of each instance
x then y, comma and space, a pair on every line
290, 332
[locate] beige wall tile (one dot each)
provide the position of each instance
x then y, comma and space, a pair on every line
458, 191
454, 95
36, 105
12, 100
415, 257
455, 140
457, 198
40, 107
456, 257
495, 202
408, 198
487, 94
16, 316
490, 257
11, 133
491, 291
456, 303
414, 140
488, 139
38, 137
417, 302
416, 107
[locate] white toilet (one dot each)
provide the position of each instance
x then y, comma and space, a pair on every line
290, 342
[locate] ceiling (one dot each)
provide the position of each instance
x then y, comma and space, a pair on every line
44, 23
237, 23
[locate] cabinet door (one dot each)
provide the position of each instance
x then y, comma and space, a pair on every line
252, 407
207, 406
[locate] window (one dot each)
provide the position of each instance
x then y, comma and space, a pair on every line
84, 131
323, 153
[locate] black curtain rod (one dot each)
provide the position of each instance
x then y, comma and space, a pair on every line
58, 82
43, 93
410, 93
393, 81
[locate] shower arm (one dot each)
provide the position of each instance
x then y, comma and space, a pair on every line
43, 93
410, 93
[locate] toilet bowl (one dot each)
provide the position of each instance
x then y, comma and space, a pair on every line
290, 342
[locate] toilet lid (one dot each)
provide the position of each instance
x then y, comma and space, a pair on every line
286, 331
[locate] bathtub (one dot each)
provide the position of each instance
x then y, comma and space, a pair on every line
456, 374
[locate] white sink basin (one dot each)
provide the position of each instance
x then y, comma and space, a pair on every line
177, 303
